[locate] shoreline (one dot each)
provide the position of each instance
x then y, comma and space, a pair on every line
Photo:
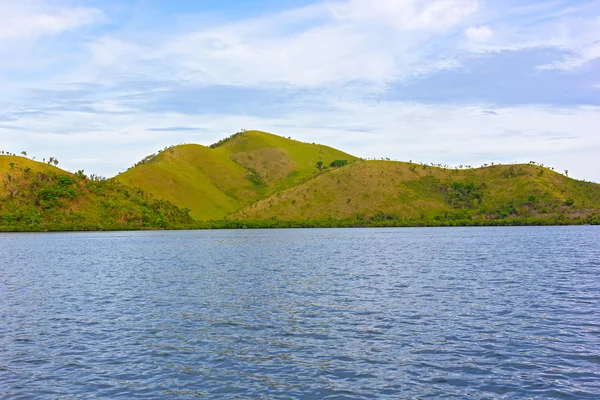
283, 224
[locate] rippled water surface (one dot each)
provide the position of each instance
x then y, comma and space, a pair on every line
479, 313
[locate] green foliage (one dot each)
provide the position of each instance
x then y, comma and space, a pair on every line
51, 201
389, 221
460, 195
338, 163
257, 182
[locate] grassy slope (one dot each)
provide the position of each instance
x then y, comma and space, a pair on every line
259, 176
37, 196
404, 190
22, 163
213, 183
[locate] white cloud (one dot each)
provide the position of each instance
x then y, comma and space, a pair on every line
574, 30
581, 57
406, 15
329, 43
31, 19
478, 33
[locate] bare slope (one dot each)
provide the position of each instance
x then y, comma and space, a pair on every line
395, 190
215, 182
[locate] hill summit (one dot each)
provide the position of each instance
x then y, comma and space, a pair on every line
234, 173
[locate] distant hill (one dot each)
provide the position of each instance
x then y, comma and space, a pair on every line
36, 196
257, 179
216, 181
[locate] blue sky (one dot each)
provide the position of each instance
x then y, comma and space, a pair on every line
100, 84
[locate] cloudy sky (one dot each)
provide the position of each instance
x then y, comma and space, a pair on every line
101, 83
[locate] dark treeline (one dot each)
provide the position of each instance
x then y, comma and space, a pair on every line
593, 219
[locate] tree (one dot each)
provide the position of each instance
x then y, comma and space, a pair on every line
338, 163
320, 165
24, 153
566, 172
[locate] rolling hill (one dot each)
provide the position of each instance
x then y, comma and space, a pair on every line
396, 190
36, 196
216, 181
256, 179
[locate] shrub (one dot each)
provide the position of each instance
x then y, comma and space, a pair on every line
338, 163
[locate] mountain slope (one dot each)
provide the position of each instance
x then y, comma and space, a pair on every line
214, 182
395, 190
36, 196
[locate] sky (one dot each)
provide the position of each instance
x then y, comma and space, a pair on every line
99, 84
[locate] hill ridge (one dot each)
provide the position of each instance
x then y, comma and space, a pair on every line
255, 176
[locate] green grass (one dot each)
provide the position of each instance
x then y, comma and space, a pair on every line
215, 182
374, 190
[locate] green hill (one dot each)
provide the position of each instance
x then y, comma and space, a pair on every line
216, 181
256, 179
36, 196
385, 190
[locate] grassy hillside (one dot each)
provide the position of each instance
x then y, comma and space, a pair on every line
215, 181
254, 179
372, 190
35, 196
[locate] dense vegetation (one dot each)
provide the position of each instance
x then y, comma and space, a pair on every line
387, 220
257, 180
35, 197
